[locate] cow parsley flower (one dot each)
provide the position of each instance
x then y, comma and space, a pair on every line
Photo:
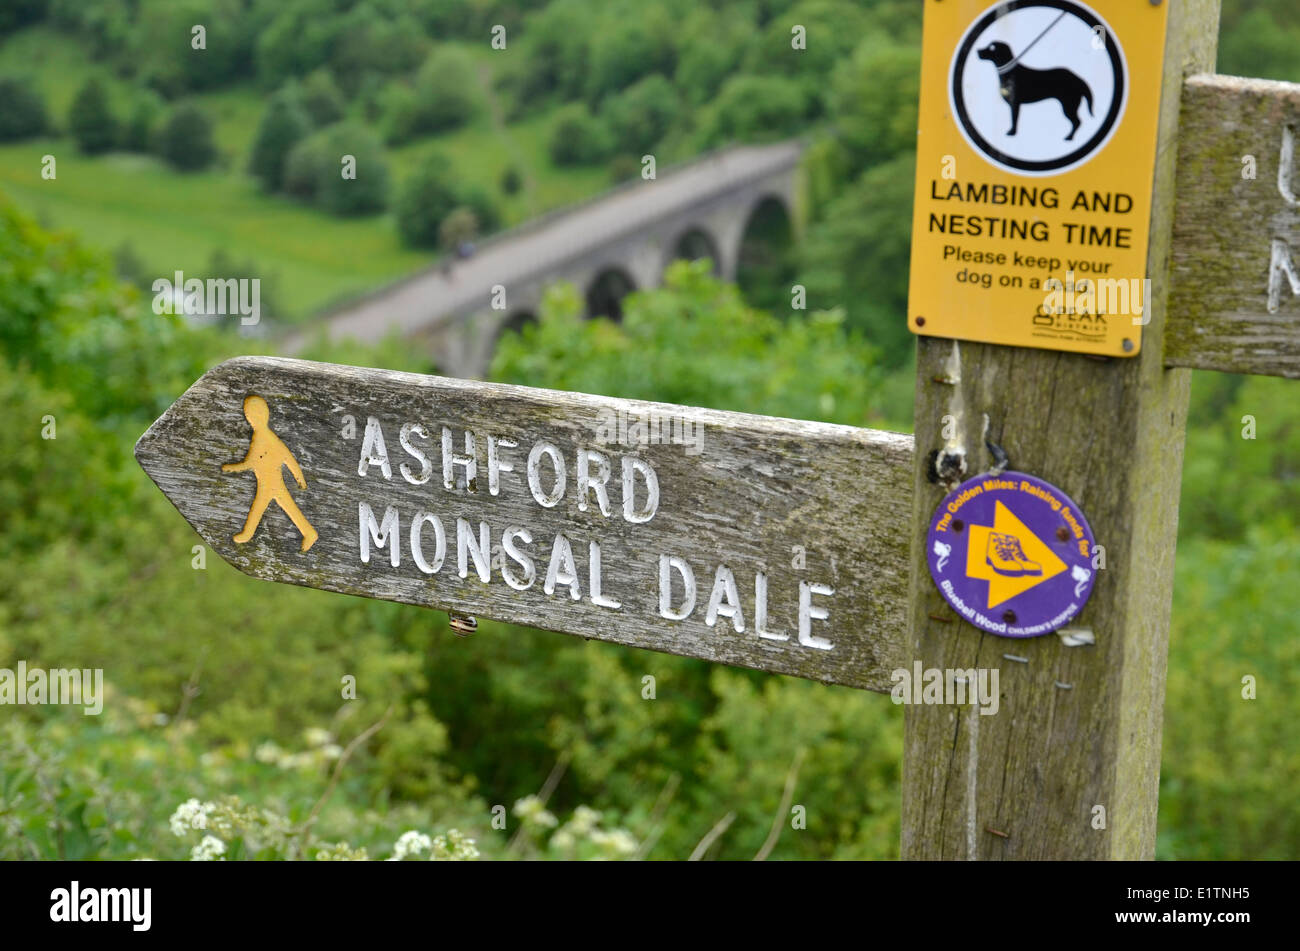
410, 843
210, 849
315, 736
455, 846
532, 811
190, 814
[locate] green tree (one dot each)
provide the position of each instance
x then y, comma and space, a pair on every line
185, 139
755, 108
642, 114
874, 101
320, 169
23, 115
831, 28
443, 97
459, 227
857, 257
426, 197
138, 131
557, 45
630, 48
511, 180
91, 120
284, 124
479, 201
161, 43
320, 99
577, 137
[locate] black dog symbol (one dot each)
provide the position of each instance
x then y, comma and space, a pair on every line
1020, 85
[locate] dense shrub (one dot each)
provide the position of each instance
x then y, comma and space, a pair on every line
755, 108
185, 139
314, 171
320, 99
430, 195
23, 114
90, 119
284, 124
140, 127
442, 98
427, 197
642, 114
578, 137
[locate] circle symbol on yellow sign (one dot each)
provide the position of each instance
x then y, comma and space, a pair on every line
1038, 86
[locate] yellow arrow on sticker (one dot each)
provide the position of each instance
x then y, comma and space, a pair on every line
1010, 557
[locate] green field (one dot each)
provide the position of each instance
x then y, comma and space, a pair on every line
174, 221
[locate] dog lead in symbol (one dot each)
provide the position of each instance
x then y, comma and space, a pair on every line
1020, 84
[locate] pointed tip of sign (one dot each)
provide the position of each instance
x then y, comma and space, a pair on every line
141, 450
149, 442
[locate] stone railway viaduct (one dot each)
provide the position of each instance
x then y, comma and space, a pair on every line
619, 241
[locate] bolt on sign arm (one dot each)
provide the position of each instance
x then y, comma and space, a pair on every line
1078, 726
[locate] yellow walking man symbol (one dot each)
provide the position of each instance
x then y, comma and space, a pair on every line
266, 455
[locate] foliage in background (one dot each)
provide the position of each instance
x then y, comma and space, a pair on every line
234, 689
697, 343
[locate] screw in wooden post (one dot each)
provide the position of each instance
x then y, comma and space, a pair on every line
462, 625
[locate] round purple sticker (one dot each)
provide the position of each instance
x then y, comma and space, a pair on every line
1012, 554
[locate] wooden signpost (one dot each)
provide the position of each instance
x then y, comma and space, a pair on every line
1234, 303
798, 547
765, 543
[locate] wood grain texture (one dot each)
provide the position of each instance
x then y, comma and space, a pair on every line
1225, 224
1078, 727
757, 488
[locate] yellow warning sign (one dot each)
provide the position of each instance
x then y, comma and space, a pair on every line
1035, 160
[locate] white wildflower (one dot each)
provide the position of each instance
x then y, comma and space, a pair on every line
315, 736
191, 814
209, 850
584, 820
411, 843
615, 842
623, 842
455, 846
563, 839
533, 811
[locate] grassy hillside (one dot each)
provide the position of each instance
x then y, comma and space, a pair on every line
174, 220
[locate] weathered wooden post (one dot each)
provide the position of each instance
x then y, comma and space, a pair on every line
1069, 767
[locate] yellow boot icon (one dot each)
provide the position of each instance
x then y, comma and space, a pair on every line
1005, 556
